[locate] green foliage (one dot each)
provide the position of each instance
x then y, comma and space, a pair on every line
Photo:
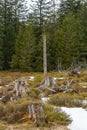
1, 43
9, 16
13, 111
57, 116
24, 47
66, 41
1, 55
21, 45
67, 99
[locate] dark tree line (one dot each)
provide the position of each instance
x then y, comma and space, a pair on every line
21, 30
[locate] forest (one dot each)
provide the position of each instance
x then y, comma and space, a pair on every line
22, 27
39, 36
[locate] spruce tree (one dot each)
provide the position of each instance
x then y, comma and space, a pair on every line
11, 15
24, 49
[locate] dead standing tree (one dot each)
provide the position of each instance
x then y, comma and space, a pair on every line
48, 81
45, 82
45, 59
75, 70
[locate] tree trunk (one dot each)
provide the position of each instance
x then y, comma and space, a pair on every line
44, 56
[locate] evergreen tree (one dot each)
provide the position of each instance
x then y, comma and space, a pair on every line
24, 49
1, 45
21, 45
1, 38
11, 14
67, 6
40, 11
67, 40
83, 32
37, 18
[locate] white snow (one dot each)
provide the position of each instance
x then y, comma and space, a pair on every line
7, 85
55, 78
60, 78
84, 102
1, 86
45, 99
78, 116
84, 86
31, 78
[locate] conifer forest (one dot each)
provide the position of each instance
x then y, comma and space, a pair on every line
43, 64
23, 23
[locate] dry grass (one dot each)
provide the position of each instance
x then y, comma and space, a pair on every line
16, 110
68, 99
27, 126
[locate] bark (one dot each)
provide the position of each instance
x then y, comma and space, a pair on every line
21, 87
44, 56
36, 112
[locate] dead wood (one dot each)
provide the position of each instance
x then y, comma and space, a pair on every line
21, 87
36, 112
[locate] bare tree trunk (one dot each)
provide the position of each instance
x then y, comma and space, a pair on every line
44, 56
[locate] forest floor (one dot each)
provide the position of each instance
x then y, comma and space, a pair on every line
26, 126
7, 81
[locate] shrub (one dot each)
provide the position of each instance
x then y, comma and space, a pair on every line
66, 99
2, 113
55, 116
13, 111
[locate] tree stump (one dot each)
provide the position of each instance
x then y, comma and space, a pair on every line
36, 113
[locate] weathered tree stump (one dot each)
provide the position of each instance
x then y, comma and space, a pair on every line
36, 113
48, 82
21, 87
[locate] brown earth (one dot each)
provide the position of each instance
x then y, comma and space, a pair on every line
58, 127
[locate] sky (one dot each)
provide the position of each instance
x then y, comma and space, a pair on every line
29, 1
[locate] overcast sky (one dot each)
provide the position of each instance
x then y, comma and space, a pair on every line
29, 1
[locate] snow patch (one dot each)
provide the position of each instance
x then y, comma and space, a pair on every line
31, 78
60, 78
45, 99
7, 85
1, 86
78, 116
